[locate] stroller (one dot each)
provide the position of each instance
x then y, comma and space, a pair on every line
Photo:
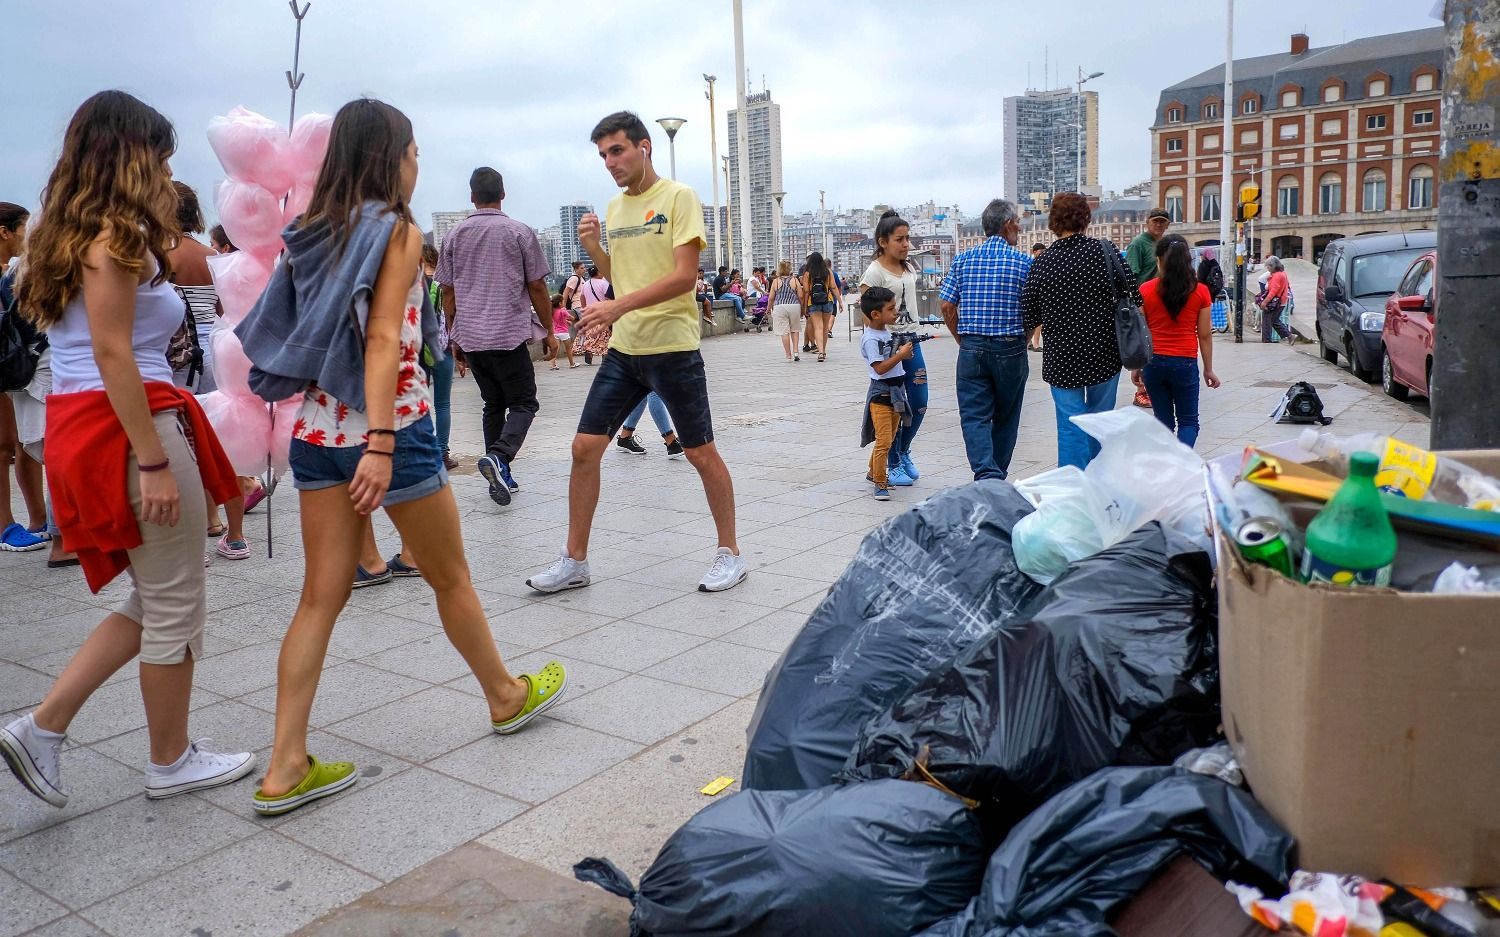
757, 318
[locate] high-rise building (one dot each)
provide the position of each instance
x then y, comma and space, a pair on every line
445, 221
1043, 142
706, 256
763, 133
568, 248
1341, 139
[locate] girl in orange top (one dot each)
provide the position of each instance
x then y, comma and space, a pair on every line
1177, 310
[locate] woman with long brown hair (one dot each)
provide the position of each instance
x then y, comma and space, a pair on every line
123, 444
345, 318
892, 268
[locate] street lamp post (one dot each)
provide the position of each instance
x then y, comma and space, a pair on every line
823, 222
743, 140
671, 125
728, 210
713, 167
1078, 116
778, 196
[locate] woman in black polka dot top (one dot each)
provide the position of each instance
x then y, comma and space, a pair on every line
1070, 295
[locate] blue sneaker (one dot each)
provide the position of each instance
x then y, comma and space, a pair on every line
491, 467
908, 467
882, 494
897, 476
509, 479
17, 539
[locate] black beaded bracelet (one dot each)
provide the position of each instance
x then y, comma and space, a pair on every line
388, 455
380, 432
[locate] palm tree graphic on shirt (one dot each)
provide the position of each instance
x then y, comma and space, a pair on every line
656, 218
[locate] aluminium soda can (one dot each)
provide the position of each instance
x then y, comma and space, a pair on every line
1261, 540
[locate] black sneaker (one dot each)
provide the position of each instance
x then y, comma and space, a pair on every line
629, 444
674, 449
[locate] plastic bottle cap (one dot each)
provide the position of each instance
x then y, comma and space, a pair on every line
1364, 464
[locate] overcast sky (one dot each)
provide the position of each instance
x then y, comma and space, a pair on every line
881, 101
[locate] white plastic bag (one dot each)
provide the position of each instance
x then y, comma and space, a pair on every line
1142, 473
1071, 521
1148, 474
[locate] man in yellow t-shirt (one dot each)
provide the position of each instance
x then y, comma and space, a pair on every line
655, 234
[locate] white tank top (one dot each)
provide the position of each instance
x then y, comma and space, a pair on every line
159, 313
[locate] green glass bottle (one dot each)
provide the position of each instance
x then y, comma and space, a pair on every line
1351, 541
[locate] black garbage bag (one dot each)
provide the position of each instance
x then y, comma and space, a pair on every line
924, 586
1115, 663
1099, 842
884, 859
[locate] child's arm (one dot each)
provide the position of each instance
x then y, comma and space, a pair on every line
896, 357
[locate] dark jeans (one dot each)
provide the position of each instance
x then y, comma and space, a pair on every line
507, 384
1172, 382
992, 374
916, 397
442, 395
1272, 328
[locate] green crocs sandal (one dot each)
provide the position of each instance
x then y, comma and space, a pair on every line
544, 689
324, 779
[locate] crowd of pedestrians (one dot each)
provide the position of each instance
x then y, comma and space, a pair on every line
117, 303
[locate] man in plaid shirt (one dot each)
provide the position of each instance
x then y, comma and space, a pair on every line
981, 302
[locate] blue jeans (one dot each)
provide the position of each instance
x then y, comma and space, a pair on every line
1172, 382
659, 415
739, 305
992, 374
916, 397
442, 395
1074, 446
416, 464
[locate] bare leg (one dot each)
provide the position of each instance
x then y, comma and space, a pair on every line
568, 348
113, 644
718, 486
787, 343
167, 690
431, 525
234, 510
583, 491
331, 537
369, 551
8, 449
213, 512
29, 479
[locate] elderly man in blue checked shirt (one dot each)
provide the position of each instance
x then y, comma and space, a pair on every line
981, 302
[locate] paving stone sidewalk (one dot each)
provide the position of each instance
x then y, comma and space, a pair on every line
664, 679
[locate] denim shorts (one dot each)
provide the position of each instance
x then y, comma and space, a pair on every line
829, 307
623, 381
416, 467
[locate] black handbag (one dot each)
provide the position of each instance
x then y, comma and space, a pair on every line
1131, 332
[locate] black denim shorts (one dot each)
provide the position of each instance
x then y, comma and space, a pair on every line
623, 381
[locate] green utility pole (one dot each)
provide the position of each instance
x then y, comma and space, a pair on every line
1466, 347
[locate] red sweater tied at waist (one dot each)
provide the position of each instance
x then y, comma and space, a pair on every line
87, 457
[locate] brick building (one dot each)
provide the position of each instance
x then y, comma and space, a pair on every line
1342, 140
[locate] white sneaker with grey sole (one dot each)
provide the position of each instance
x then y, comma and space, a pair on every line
34, 759
727, 571
197, 769
566, 573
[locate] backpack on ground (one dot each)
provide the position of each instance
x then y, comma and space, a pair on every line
1301, 405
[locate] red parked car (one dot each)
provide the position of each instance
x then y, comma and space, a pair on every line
1410, 322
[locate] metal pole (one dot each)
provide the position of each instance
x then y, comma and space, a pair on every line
778, 196
1465, 365
728, 210
1078, 134
713, 167
823, 221
672, 149
1226, 175
742, 142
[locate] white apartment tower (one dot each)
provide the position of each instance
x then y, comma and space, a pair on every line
1042, 144
763, 123
445, 221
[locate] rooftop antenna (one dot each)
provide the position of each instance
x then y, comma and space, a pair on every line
1045, 62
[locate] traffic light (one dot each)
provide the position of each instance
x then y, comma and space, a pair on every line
1249, 205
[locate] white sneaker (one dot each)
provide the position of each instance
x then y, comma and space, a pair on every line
727, 571
566, 573
198, 768
34, 759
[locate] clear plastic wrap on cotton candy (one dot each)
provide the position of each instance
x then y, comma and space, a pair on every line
253, 149
239, 279
243, 425
251, 216
231, 367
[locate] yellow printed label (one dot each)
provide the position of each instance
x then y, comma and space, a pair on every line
716, 786
1406, 470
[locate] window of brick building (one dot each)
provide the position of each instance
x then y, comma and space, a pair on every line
1208, 203
1375, 122
1330, 194
1373, 191
1419, 188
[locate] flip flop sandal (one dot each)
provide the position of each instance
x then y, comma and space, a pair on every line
254, 498
401, 570
324, 779
363, 578
543, 689
217, 531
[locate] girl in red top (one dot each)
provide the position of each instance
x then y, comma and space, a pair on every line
1177, 311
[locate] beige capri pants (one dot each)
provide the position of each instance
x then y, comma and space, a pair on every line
786, 318
169, 598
